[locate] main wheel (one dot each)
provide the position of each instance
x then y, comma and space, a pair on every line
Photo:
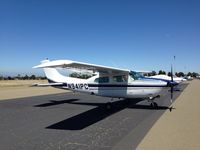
109, 105
127, 101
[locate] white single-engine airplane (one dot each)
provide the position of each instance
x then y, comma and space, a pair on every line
107, 82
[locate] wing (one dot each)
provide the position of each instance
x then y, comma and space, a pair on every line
142, 71
68, 64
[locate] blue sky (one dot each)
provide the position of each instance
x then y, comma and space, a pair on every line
141, 35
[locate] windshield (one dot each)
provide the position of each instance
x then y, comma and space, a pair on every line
136, 75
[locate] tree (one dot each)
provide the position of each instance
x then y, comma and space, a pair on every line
26, 77
18, 77
10, 78
189, 74
194, 74
42, 78
1, 77
161, 72
74, 75
180, 74
32, 77
79, 75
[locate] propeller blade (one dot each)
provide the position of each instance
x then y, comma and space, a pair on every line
172, 91
172, 78
172, 86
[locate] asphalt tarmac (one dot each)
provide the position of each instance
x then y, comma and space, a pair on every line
75, 121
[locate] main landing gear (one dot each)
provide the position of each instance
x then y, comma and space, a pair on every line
110, 104
152, 103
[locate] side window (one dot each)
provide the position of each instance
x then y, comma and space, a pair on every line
122, 78
102, 80
96, 80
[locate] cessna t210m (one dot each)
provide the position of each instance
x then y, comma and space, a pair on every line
107, 81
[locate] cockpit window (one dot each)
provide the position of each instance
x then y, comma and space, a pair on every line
136, 75
122, 78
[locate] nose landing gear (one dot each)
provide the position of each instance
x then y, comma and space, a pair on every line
152, 103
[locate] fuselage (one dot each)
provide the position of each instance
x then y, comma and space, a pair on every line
117, 86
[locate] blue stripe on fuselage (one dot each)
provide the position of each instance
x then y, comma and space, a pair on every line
149, 78
124, 85
169, 82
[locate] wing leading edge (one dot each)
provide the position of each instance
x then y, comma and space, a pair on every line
68, 64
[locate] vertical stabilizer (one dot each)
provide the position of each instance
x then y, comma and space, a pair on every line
53, 75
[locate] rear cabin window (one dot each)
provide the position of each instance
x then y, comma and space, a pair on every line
122, 78
102, 80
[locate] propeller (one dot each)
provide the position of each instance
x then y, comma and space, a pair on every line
172, 86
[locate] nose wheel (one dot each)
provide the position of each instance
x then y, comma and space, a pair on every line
152, 103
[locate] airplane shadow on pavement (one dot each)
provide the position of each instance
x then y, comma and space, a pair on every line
53, 102
85, 119
94, 115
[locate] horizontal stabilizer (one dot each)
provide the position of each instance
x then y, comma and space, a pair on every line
49, 84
